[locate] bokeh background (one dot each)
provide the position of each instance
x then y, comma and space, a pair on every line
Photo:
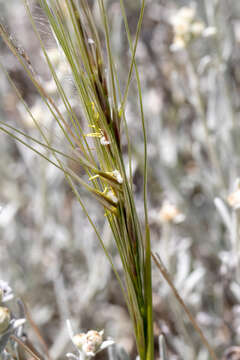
48, 251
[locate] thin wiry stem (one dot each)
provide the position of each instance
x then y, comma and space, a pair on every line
164, 272
25, 347
36, 330
53, 150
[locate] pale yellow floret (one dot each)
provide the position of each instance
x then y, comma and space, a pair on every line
234, 199
170, 213
96, 134
5, 318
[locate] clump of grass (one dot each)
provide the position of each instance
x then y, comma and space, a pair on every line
99, 150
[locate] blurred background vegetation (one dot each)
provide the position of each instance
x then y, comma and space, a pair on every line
48, 251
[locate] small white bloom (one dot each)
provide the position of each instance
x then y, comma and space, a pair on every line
178, 44
112, 196
170, 213
187, 13
234, 199
197, 28
185, 28
90, 343
181, 27
118, 176
91, 41
104, 141
181, 23
6, 290
209, 31
182, 19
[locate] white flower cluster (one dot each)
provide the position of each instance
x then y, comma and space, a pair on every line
186, 27
169, 213
88, 344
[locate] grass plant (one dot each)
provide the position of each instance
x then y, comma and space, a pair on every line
98, 151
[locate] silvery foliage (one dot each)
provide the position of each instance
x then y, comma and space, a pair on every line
162, 348
16, 323
116, 352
